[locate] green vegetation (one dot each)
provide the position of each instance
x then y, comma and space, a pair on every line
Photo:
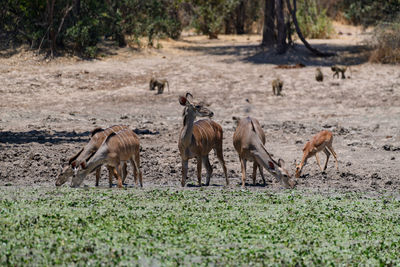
79, 25
313, 20
41, 226
209, 16
370, 12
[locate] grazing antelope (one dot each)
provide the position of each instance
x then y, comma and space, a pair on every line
98, 135
196, 139
322, 141
249, 140
117, 148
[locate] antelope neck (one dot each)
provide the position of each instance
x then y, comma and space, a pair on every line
187, 131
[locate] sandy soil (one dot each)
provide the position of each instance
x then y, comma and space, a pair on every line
48, 108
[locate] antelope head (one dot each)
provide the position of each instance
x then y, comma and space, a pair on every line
284, 174
63, 175
193, 108
78, 177
298, 170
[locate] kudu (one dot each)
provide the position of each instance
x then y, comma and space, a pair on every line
322, 141
249, 140
196, 139
117, 148
98, 136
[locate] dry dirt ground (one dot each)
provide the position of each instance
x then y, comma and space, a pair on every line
48, 109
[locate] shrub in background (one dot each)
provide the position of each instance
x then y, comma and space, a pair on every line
386, 43
313, 21
370, 12
209, 15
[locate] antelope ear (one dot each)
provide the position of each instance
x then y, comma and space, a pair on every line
73, 164
271, 165
182, 100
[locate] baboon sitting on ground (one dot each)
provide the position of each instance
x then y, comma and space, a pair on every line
277, 85
318, 75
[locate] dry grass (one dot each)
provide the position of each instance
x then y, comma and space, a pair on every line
386, 43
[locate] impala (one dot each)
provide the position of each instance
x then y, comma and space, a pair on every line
322, 141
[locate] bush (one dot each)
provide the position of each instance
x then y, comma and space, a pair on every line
244, 17
79, 25
386, 43
370, 12
314, 23
83, 34
209, 15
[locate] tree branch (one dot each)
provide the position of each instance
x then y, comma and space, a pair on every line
296, 24
63, 18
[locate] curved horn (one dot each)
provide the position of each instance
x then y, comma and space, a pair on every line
188, 94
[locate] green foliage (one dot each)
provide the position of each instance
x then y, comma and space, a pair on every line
370, 12
80, 25
83, 34
61, 226
209, 15
153, 18
314, 23
242, 18
21, 19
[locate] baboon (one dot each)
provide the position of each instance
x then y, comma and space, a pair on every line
160, 84
318, 75
277, 85
336, 69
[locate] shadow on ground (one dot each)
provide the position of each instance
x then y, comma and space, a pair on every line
41, 137
344, 54
55, 137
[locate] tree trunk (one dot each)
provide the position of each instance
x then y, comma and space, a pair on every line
229, 21
77, 10
269, 24
240, 17
296, 24
50, 22
282, 45
118, 34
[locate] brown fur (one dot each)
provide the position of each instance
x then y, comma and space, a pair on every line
322, 141
117, 148
196, 139
98, 135
249, 140
159, 84
337, 69
96, 130
318, 75
277, 86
